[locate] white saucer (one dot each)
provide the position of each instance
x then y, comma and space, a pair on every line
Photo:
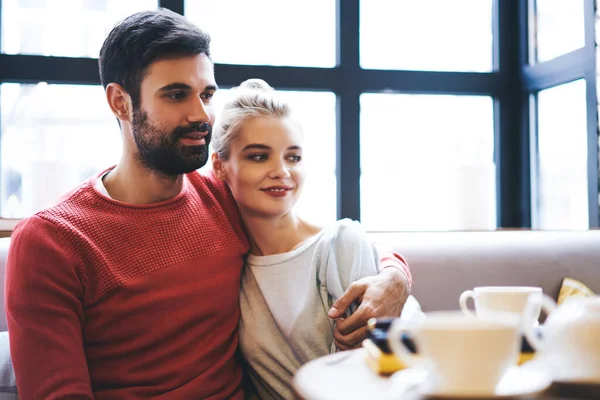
518, 381
577, 381
566, 374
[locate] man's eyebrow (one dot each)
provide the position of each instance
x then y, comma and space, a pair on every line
174, 86
184, 86
256, 146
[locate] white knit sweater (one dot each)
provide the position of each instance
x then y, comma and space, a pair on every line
285, 299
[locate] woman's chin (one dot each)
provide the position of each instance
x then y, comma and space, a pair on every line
270, 212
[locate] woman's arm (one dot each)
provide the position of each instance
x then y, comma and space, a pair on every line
381, 295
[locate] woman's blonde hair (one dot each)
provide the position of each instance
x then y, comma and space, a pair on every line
253, 98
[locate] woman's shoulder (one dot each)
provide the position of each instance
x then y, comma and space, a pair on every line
346, 227
346, 232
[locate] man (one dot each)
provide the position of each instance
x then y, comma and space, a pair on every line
128, 286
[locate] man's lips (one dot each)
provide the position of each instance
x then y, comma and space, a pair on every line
195, 135
194, 138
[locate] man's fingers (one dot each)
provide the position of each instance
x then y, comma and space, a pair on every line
360, 318
354, 292
351, 340
342, 347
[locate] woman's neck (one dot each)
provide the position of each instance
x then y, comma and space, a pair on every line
277, 235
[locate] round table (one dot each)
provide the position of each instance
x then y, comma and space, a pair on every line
343, 375
346, 376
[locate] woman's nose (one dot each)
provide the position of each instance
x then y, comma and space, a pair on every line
280, 171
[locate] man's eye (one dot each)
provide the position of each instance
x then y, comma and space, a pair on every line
177, 96
207, 96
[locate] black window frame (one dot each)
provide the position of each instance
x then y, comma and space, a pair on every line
566, 68
511, 84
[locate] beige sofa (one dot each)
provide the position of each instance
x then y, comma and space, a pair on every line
444, 264
4, 243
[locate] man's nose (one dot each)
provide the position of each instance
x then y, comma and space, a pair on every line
199, 112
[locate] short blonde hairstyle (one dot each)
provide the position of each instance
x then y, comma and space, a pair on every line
253, 98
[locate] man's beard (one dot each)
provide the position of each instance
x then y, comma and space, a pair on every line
162, 152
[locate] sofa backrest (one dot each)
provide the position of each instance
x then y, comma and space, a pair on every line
4, 242
444, 264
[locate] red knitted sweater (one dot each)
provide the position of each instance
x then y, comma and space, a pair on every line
108, 300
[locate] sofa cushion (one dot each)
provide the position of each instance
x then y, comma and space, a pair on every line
8, 384
444, 264
573, 288
4, 243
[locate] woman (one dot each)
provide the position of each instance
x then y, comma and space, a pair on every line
295, 270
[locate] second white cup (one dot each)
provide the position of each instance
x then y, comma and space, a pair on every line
493, 299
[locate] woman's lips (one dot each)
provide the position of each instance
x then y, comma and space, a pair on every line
277, 191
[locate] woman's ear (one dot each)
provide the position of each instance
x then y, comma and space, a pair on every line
219, 167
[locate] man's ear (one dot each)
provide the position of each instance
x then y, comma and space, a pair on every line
119, 101
219, 167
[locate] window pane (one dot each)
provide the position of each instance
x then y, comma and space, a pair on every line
53, 137
562, 157
434, 35
69, 28
316, 113
268, 32
427, 162
48, 148
558, 28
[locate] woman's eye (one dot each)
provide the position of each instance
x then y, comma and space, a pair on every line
295, 158
257, 157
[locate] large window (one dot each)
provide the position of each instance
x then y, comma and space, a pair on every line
561, 80
433, 35
562, 157
53, 137
427, 162
71, 28
417, 115
557, 28
268, 32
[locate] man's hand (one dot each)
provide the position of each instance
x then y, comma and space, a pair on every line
379, 296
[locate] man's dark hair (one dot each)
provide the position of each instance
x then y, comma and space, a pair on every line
145, 37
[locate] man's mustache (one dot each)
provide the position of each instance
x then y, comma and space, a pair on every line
181, 131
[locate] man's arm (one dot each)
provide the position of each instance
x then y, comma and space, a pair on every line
379, 296
44, 310
389, 259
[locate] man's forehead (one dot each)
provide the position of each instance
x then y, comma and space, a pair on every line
195, 71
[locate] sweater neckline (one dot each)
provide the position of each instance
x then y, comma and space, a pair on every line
276, 259
172, 200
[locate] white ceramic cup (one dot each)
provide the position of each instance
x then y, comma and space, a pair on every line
492, 299
465, 356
